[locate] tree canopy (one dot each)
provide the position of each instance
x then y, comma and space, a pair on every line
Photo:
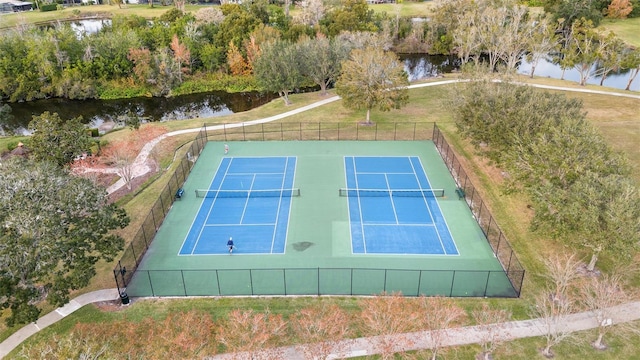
277, 68
56, 140
578, 186
55, 227
373, 78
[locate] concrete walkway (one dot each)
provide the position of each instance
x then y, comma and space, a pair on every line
21, 335
141, 166
370, 345
422, 340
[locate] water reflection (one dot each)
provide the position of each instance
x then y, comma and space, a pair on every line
96, 113
421, 66
546, 68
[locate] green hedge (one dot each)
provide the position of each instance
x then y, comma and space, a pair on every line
49, 7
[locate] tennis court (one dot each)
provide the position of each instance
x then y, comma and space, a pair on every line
249, 199
393, 208
306, 219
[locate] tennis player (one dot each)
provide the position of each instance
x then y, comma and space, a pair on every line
230, 245
226, 149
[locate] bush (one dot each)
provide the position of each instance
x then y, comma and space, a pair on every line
49, 7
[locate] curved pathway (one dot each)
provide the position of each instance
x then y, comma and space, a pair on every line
141, 167
347, 348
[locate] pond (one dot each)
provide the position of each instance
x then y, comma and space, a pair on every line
105, 113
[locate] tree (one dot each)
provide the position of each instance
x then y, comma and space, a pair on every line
466, 37
572, 10
322, 59
439, 315
321, 327
584, 48
619, 9
55, 227
181, 54
631, 61
611, 55
237, 64
121, 156
605, 216
353, 15
373, 78
142, 60
541, 39
563, 271
491, 321
5, 117
312, 11
392, 315
277, 69
252, 332
599, 294
56, 140
551, 315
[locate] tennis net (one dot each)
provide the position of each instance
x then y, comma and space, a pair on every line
392, 192
203, 193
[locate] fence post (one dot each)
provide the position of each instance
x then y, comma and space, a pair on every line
453, 281
284, 279
133, 250
184, 284
318, 130
144, 237
419, 282
385, 280
486, 285
351, 283
251, 279
224, 131
150, 283
218, 281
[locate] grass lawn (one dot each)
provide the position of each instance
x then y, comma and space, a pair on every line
616, 117
627, 29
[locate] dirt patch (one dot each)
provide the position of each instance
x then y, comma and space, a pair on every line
109, 306
124, 190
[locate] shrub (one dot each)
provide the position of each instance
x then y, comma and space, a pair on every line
49, 7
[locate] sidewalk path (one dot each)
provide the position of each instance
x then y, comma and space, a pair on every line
461, 336
365, 346
21, 335
141, 167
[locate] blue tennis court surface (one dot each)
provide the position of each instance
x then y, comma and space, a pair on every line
389, 210
249, 199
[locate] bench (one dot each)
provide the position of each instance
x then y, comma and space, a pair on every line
460, 193
179, 193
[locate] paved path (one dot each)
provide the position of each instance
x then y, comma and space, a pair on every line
363, 346
464, 335
21, 335
141, 167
